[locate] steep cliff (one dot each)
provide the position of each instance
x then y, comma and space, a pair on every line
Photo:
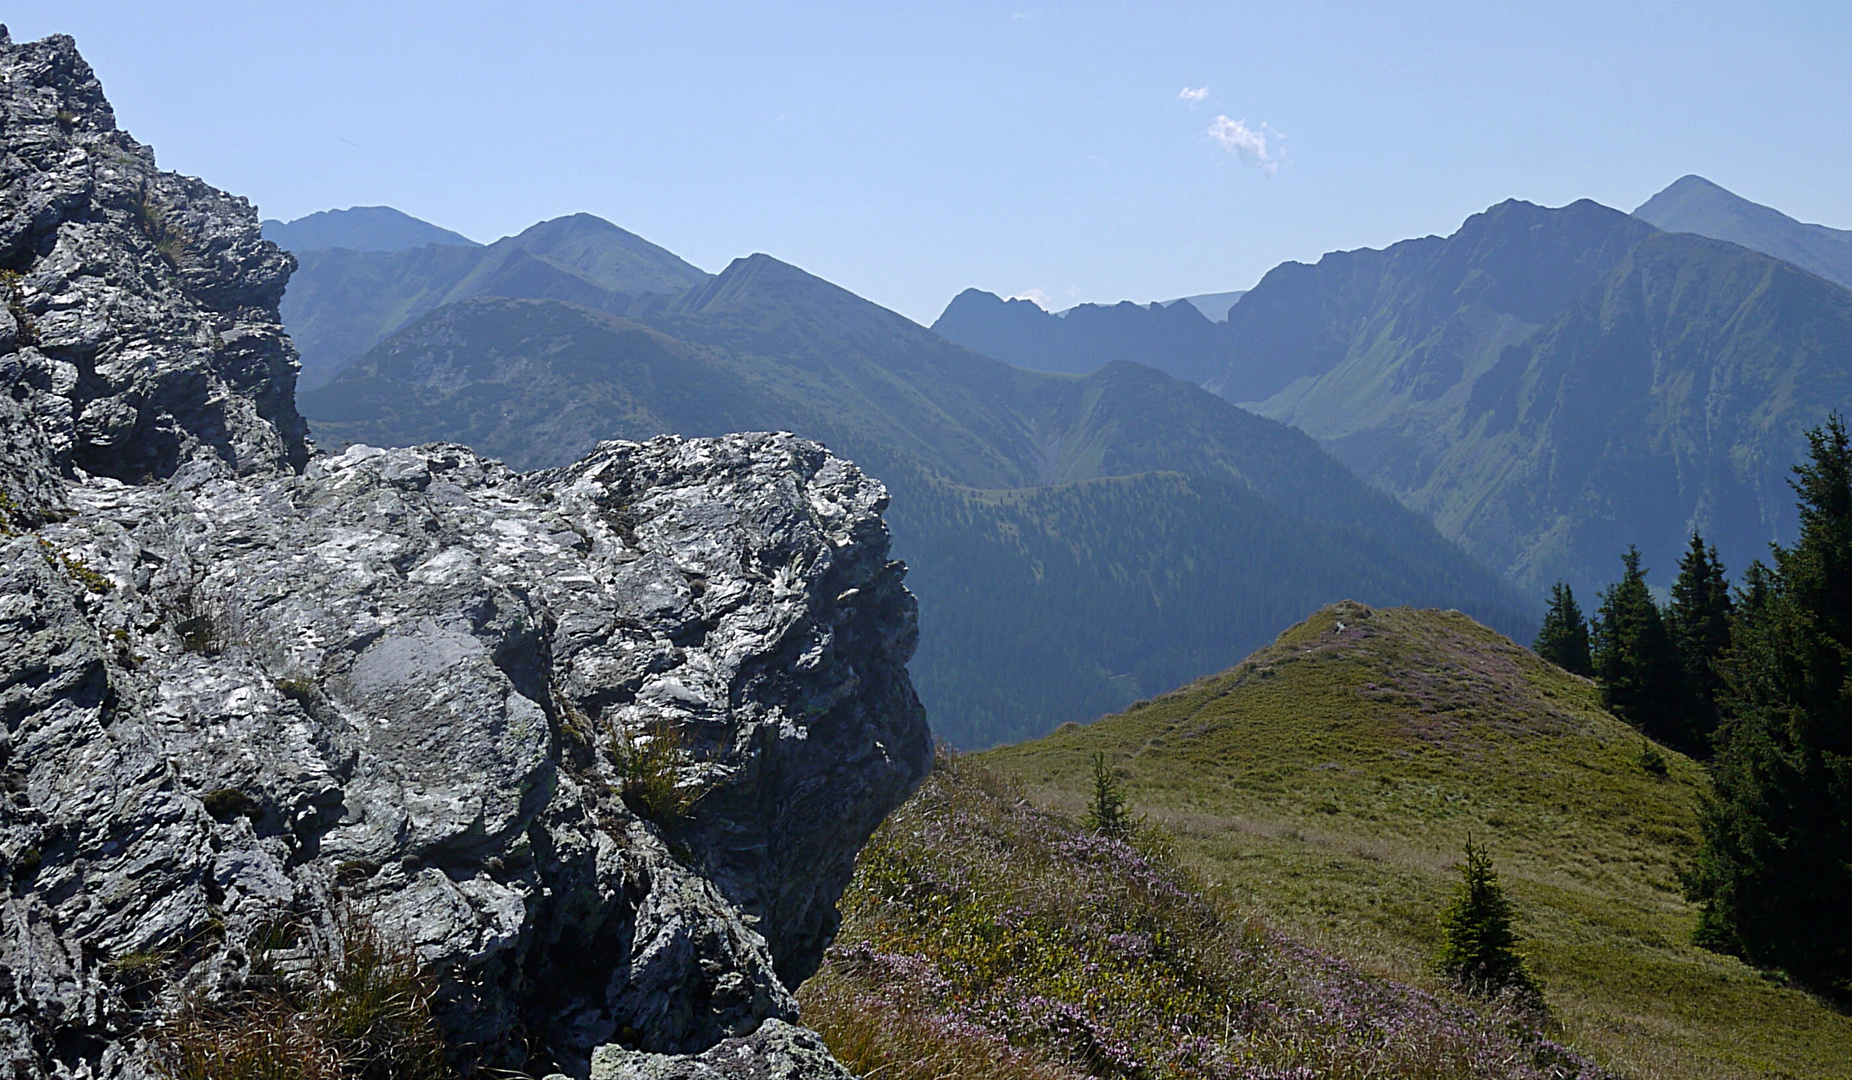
598, 743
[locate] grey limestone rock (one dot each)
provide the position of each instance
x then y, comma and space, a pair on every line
777, 1051
141, 330
243, 683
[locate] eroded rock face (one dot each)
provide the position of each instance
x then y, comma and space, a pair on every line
242, 683
141, 330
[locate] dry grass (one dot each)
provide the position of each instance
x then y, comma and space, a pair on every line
362, 1012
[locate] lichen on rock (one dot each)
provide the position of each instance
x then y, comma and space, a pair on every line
409, 686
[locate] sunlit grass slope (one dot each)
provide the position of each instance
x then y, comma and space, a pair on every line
986, 939
1332, 779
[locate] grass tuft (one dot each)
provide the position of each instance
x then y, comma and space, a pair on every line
13, 283
649, 771
362, 1013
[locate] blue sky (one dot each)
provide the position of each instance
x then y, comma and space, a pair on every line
909, 151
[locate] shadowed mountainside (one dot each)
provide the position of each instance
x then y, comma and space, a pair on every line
1546, 385
1549, 386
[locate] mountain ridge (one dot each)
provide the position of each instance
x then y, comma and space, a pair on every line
1695, 205
341, 303
359, 228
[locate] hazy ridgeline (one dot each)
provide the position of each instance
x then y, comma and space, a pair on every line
1077, 542
1545, 385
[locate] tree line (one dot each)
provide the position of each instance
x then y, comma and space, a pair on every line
1757, 682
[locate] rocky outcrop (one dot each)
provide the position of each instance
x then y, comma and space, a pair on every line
777, 1051
599, 743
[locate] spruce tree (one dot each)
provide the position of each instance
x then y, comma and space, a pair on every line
1774, 875
1641, 681
1478, 940
1563, 641
1107, 814
1699, 624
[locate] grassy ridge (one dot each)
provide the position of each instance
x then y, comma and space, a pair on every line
986, 939
1331, 780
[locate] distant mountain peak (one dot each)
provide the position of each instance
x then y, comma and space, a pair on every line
1693, 204
360, 228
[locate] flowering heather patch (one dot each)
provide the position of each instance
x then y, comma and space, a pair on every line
985, 938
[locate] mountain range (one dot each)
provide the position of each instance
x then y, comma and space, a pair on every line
1546, 385
1076, 542
343, 300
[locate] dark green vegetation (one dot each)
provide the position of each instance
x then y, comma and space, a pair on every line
1698, 623
1330, 781
360, 228
358, 1009
1642, 680
985, 939
341, 302
1660, 669
1563, 641
1478, 934
1546, 385
1076, 542
1774, 875
1693, 204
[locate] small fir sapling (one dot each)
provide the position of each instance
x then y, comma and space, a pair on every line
1479, 943
1107, 814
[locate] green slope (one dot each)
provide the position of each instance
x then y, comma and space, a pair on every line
1692, 204
986, 939
1332, 779
1076, 542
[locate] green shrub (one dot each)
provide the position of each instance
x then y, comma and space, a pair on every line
228, 803
649, 775
1107, 813
1479, 942
78, 571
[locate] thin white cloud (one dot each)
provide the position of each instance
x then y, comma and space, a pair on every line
1038, 297
1248, 144
1193, 98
